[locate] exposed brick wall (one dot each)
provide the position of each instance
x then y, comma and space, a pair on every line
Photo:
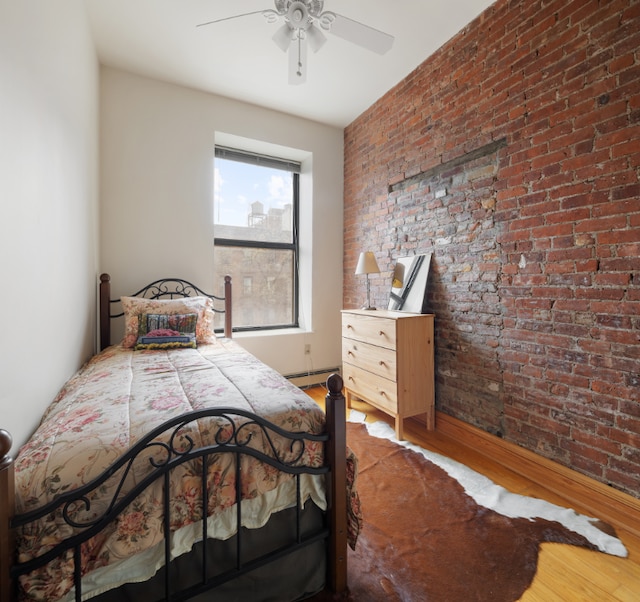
530, 120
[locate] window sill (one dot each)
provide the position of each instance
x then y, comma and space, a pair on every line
276, 332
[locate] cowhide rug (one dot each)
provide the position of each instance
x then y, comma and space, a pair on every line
436, 531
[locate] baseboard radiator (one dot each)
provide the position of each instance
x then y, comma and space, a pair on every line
304, 380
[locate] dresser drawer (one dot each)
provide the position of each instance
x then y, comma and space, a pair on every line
378, 360
377, 390
369, 329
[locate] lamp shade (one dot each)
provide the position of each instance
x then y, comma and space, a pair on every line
367, 264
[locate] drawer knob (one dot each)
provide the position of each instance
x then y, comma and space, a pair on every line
349, 352
382, 363
349, 326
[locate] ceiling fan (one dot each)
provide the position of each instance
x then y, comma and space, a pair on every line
304, 22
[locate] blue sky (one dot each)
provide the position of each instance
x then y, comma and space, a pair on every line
236, 185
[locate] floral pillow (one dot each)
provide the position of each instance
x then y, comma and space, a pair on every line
136, 306
166, 331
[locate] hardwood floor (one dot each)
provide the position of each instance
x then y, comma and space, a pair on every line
565, 573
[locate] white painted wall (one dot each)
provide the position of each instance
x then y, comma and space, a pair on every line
48, 204
157, 150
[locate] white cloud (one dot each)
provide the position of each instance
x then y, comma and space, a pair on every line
279, 189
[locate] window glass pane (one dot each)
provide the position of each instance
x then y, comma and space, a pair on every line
263, 281
252, 202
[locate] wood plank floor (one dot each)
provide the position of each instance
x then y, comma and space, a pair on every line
565, 573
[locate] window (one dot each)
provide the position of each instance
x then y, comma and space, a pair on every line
256, 236
248, 282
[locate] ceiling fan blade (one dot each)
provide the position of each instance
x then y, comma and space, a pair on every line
255, 12
357, 33
282, 37
316, 38
298, 61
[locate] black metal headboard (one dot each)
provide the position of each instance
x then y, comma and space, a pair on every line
164, 288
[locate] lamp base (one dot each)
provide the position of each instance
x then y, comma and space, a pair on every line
368, 308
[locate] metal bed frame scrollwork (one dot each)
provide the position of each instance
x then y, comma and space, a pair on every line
231, 437
159, 289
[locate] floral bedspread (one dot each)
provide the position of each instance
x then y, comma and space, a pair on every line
117, 398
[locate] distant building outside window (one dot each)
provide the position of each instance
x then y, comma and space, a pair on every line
256, 202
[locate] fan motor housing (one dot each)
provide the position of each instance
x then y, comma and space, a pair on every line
298, 15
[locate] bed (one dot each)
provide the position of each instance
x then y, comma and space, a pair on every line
129, 488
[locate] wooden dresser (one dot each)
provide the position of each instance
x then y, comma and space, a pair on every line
387, 361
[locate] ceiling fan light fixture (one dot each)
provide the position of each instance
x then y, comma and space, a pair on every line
283, 37
316, 38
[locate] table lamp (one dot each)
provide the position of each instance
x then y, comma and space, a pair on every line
367, 264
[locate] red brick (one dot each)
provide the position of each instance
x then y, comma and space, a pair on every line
626, 192
602, 224
621, 63
553, 230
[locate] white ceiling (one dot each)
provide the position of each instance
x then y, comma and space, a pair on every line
238, 59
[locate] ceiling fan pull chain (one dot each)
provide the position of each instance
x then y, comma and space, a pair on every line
299, 71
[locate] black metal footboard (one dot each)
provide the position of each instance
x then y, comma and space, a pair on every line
234, 432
